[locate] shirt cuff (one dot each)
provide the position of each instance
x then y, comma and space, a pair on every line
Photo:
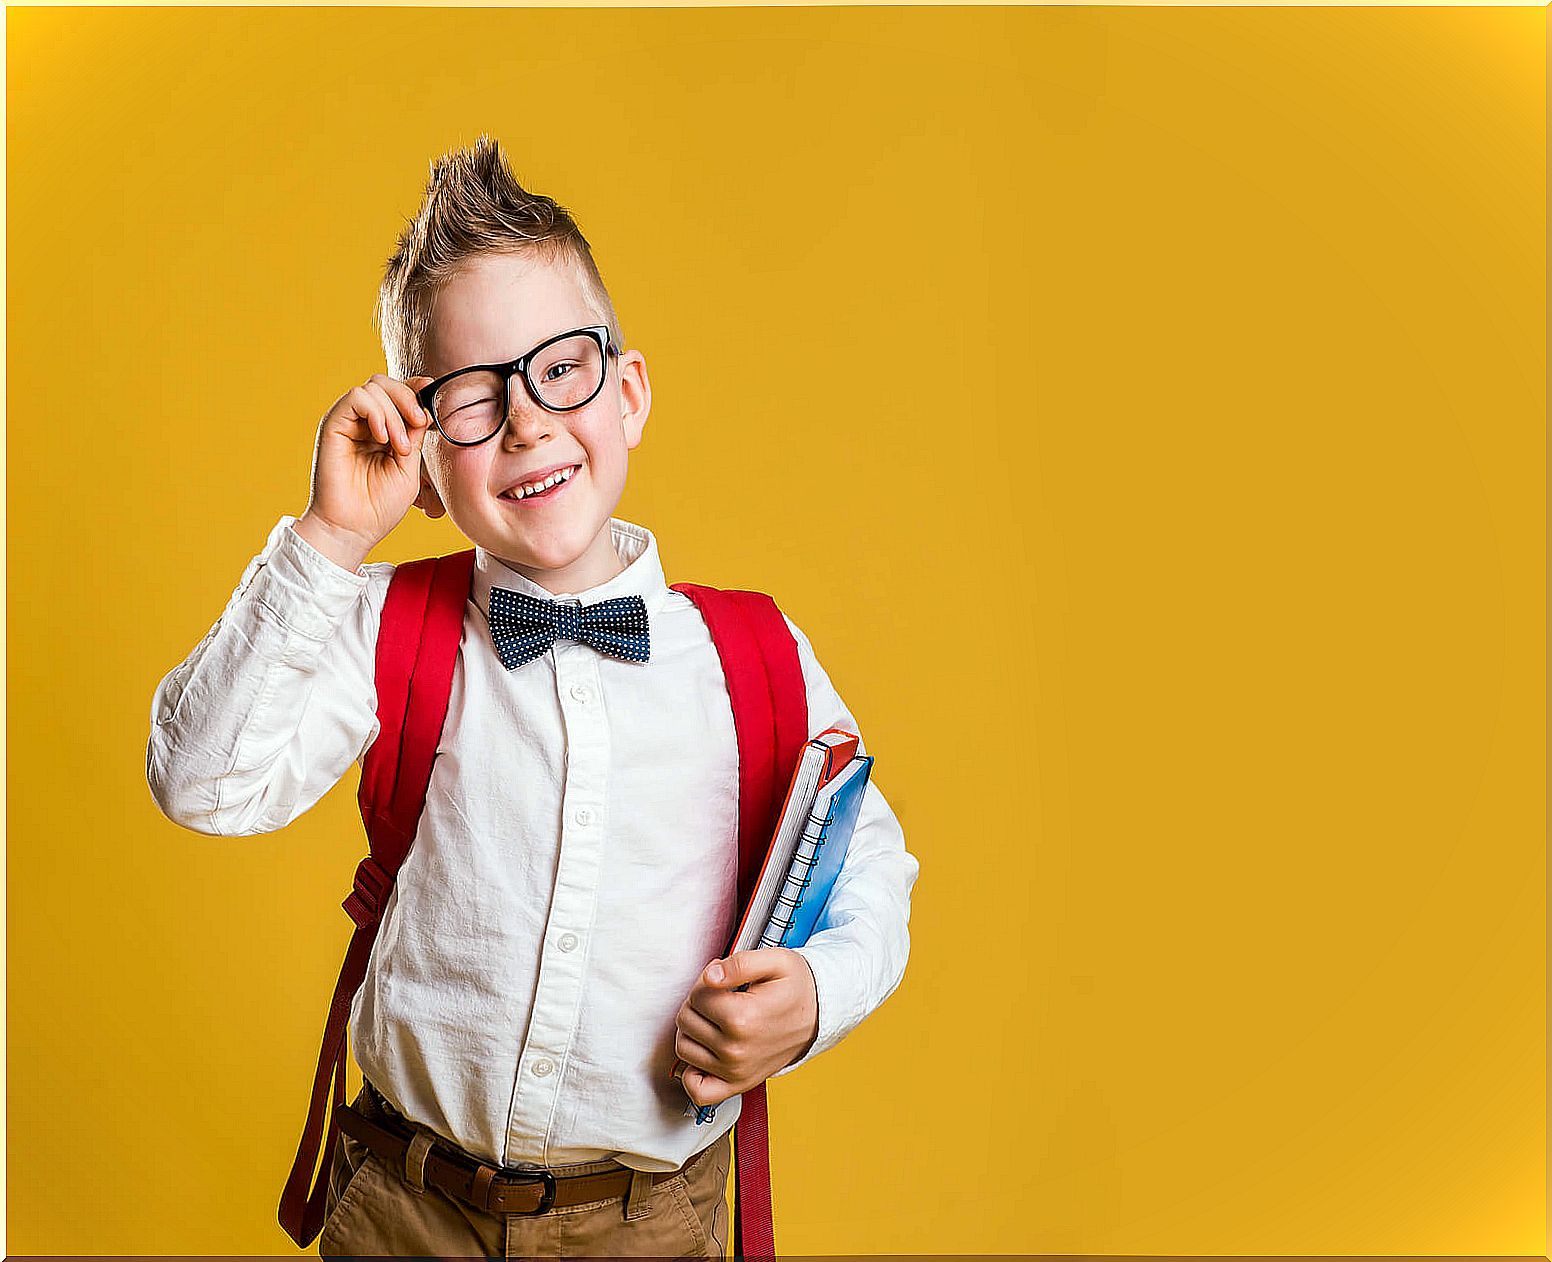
834, 971
306, 590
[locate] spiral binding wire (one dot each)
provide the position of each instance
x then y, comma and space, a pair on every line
707, 1112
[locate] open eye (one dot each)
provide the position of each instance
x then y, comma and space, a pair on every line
550, 373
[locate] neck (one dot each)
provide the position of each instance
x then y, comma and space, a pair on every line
597, 565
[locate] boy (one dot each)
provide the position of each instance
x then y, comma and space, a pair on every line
542, 960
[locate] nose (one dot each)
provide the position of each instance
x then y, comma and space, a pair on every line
527, 422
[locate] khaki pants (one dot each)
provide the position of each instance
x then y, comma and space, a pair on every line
372, 1210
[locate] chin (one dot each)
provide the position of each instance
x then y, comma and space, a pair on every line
546, 554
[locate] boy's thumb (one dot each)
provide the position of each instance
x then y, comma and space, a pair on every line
419, 432
415, 383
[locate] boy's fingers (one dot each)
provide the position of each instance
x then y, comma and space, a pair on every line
702, 997
697, 1025
743, 967
363, 406
704, 1088
383, 412
400, 407
404, 396
693, 1052
412, 384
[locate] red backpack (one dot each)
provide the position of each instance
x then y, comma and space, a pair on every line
417, 648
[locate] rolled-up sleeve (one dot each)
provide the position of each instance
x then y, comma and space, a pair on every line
272, 706
859, 946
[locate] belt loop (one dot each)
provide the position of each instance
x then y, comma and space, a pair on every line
479, 1190
415, 1160
638, 1201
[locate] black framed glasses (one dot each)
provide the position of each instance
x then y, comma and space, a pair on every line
562, 373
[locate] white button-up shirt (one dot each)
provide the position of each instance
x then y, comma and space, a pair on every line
573, 871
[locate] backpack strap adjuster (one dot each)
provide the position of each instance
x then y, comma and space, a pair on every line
368, 893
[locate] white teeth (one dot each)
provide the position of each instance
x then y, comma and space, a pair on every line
534, 488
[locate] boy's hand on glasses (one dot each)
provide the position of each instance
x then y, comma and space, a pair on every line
366, 469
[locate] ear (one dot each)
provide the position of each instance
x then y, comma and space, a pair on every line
635, 395
428, 500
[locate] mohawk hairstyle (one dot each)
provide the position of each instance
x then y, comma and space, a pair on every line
473, 205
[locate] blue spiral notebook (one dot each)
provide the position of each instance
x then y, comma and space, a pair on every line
818, 858
806, 853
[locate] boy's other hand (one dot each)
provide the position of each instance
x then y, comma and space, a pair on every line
366, 468
734, 1039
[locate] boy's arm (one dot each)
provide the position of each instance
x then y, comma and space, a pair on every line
272, 706
858, 950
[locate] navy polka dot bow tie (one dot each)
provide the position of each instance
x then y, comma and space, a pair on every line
524, 626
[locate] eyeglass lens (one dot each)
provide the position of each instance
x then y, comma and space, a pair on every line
565, 374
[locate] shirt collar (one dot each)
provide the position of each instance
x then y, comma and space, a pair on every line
636, 546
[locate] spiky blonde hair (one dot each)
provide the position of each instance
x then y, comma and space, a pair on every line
473, 205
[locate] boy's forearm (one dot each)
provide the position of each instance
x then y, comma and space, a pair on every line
241, 739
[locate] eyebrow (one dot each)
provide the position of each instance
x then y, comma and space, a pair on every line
510, 359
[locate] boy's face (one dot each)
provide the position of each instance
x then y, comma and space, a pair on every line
496, 308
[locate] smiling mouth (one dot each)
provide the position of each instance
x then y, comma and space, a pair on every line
549, 488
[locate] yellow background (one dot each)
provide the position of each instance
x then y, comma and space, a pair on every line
1173, 380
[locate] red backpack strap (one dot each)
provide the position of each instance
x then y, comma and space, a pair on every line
417, 649
770, 718
770, 710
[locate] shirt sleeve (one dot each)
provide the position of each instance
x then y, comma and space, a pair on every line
859, 946
268, 711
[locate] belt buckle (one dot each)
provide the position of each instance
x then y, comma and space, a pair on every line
529, 1171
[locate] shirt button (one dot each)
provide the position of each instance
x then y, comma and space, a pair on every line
543, 1068
567, 941
581, 692
584, 815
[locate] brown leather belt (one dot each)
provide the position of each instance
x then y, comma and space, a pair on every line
514, 1190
